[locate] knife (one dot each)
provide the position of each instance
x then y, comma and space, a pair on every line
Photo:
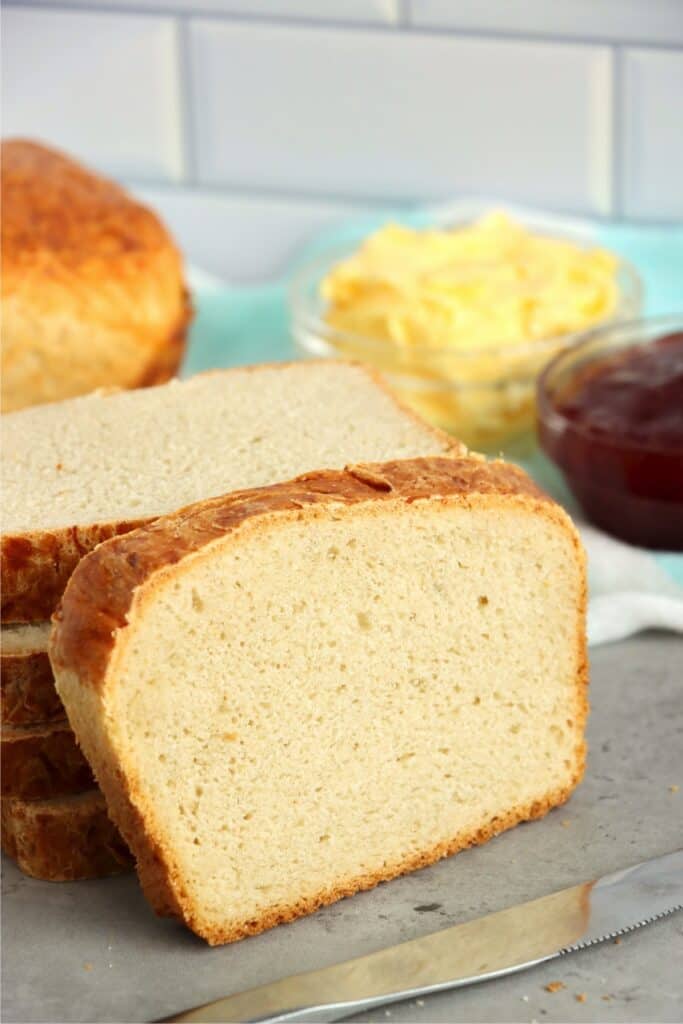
488, 947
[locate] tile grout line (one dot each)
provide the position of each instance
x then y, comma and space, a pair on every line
404, 20
359, 205
186, 84
377, 28
617, 132
191, 11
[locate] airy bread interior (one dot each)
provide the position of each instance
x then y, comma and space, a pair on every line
138, 454
306, 708
24, 638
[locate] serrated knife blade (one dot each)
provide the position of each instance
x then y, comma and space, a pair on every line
489, 947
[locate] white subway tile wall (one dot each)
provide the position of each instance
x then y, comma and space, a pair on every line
360, 114
360, 12
249, 125
652, 134
105, 87
639, 21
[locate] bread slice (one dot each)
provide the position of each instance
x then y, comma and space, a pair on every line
393, 667
92, 284
42, 761
65, 839
78, 472
28, 686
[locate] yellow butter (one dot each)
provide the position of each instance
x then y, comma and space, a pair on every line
493, 284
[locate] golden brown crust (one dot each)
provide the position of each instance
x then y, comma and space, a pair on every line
92, 283
52, 205
63, 840
165, 363
36, 566
40, 762
29, 696
85, 635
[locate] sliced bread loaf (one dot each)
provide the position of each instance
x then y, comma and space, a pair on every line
393, 668
42, 761
65, 839
28, 686
77, 472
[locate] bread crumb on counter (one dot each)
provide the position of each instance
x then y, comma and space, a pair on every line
554, 986
580, 997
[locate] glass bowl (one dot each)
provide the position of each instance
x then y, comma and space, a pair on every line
631, 486
485, 397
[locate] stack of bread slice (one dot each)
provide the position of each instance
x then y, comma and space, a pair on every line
54, 819
78, 472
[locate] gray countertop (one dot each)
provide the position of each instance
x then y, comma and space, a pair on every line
92, 951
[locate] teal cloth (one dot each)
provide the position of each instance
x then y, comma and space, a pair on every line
236, 326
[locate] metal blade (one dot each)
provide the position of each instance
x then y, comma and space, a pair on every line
629, 899
489, 947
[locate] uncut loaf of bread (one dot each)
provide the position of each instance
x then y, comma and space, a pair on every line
77, 472
92, 283
393, 667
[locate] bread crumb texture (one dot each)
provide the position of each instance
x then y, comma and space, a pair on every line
392, 668
131, 456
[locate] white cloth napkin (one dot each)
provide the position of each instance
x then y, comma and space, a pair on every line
630, 589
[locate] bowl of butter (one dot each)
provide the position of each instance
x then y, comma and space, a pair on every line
463, 312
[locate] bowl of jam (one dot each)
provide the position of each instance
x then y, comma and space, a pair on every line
610, 415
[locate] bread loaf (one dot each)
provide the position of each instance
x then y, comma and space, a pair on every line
92, 284
28, 686
393, 668
78, 472
64, 839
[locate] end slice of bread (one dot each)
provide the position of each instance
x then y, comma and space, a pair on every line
28, 686
393, 667
77, 472
65, 839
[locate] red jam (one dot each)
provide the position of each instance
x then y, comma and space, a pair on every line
617, 433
